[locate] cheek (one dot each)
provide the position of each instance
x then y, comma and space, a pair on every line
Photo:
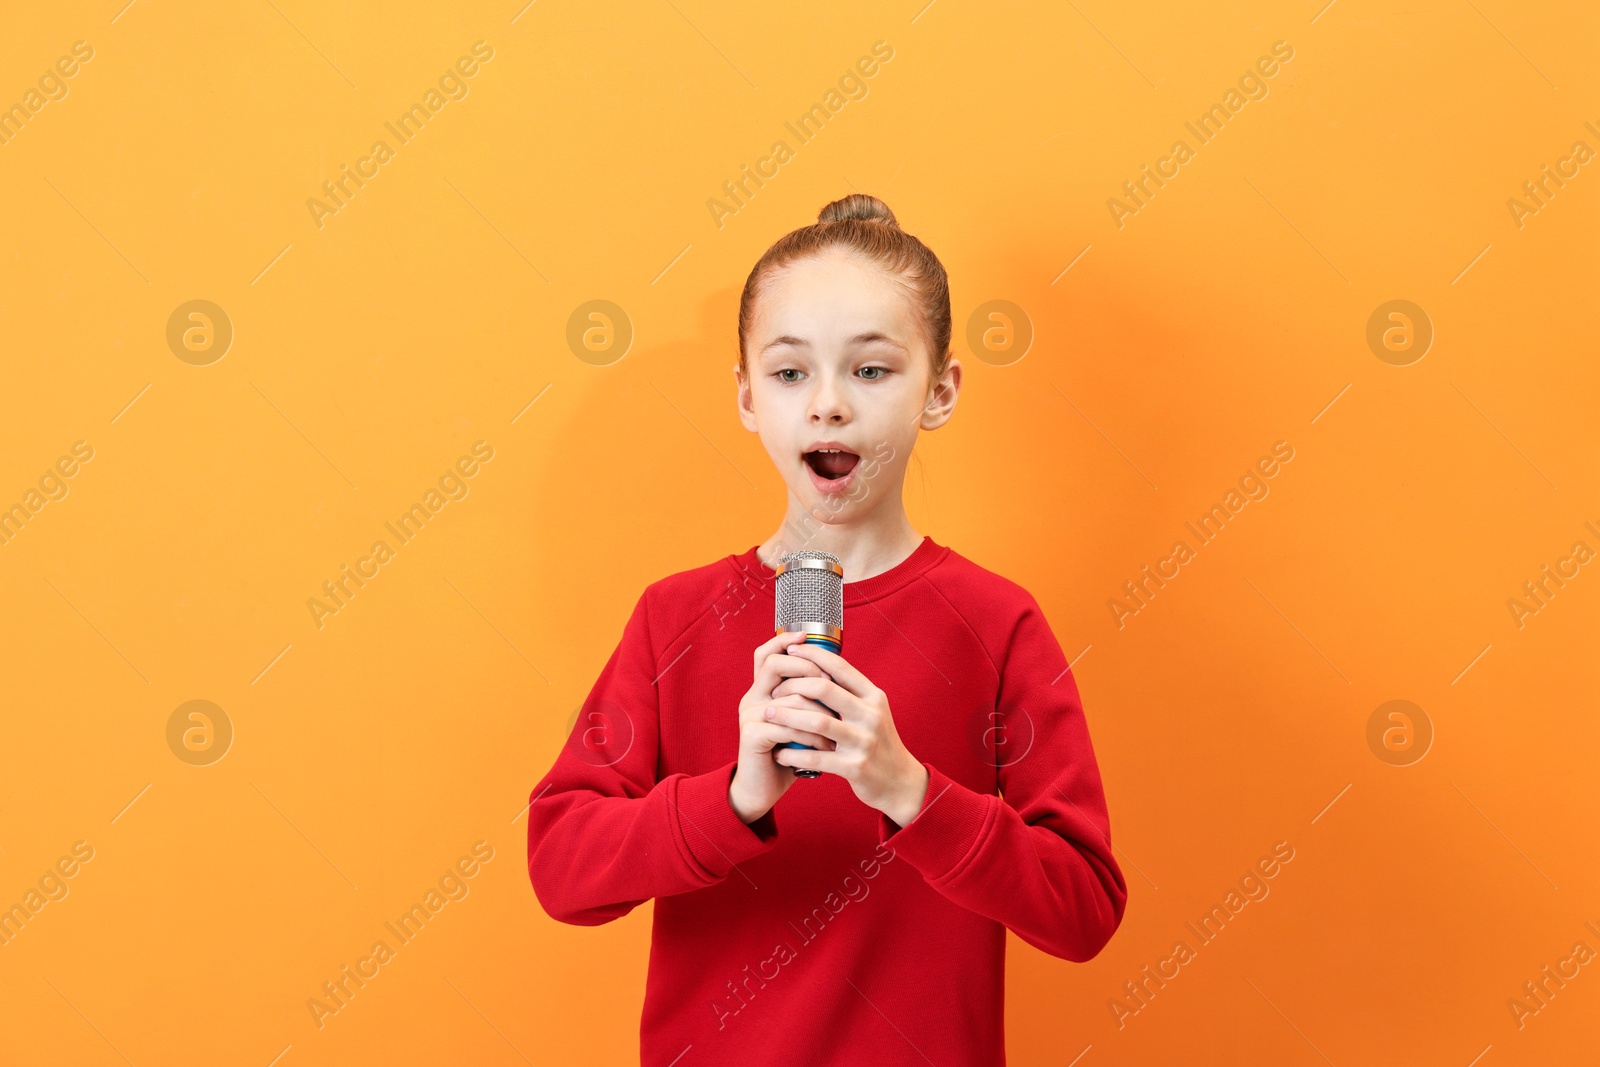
778, 438
783, 399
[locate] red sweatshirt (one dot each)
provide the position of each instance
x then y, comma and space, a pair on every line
824, 933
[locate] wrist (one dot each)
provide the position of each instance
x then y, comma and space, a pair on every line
908, 802
746, 811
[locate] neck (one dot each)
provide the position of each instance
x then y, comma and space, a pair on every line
867, 546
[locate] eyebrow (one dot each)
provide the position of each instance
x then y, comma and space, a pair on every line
871, 337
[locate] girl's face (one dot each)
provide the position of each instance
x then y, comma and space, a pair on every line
838, 383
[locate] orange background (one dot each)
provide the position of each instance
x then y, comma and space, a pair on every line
370, 753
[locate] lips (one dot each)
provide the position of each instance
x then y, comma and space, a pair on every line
831, 466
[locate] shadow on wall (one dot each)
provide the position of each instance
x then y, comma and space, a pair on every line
651, 472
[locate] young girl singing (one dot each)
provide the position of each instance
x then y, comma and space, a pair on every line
858, 916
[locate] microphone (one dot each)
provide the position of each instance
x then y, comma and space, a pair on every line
809, 599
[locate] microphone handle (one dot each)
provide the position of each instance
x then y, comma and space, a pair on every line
806, 772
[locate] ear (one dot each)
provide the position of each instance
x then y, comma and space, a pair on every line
745, 402
942, 398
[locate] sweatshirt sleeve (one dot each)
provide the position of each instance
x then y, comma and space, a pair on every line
603, 834
1037, 858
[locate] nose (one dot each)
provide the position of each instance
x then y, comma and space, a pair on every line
828, 403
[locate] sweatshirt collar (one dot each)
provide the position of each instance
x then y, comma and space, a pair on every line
924, 556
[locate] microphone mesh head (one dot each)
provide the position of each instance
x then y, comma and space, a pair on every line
809, 594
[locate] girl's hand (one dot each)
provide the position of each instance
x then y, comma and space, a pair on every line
758, 782
867, 750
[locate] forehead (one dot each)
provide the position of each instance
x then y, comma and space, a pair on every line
831, 297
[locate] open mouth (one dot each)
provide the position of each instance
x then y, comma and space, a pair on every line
831, 468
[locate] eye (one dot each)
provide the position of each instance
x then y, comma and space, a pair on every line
780, 375
875, 375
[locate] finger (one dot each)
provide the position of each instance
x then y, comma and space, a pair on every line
824, 691
792, 666
775, 645
797, 703
856, 683
817, 722
777, 667
771, 734
811, 759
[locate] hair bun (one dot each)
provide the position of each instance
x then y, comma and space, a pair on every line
858, 206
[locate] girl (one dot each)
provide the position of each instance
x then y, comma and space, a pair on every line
859, 916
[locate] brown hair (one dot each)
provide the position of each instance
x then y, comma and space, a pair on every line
863, 224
